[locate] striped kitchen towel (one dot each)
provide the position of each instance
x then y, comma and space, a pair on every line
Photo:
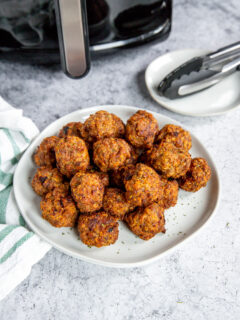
19, 247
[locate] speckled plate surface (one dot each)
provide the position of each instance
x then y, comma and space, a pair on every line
190, 214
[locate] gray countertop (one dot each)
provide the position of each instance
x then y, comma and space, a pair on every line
200, 280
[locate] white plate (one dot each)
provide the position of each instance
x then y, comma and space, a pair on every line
218, 99
192, 211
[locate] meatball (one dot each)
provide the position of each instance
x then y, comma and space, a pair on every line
101, 125
45, 154
141, 129
146, 222
111, 153
114, 203
170, 194
71, 155
144, 187
102, 175
124, 173
63, 188
87, 190
71, 129
171, 161
176, 135
46, 179
197, 176
135, 155
59, 209
98, 229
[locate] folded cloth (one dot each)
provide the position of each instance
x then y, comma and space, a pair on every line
20, 248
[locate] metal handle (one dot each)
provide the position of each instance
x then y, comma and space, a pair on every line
231, 66
73, 37
227, 69
220, 56
226, 50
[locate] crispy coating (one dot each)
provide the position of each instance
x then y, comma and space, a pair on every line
101, 125
171, 161
71, 129
46, 179
115, 203
59, 209
45, 154
197, 176
111, 153
98, 229
176, 135
124, 173
146, 222
135, 155
63, 188
143, 187
170, 193
87, 190
102, 175
141, 129
71, 155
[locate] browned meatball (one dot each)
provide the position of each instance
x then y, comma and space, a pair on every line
46, 179
176, 135
115, 203
101, 125
144, 187
102, 175
135, 155
87, 190
170, 193
146, 222
111, 153
63, 188
71, 155
71, 129
124, 173
98, 229
171, 161
59, 209
197, 176
141, 129
45, 154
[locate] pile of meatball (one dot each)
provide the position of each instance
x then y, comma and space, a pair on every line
96, 173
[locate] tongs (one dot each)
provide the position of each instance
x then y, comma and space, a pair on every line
201, 72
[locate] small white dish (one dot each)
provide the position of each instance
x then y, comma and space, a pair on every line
190, 214
220, 98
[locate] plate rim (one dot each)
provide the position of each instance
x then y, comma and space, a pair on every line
96, 261
164, 104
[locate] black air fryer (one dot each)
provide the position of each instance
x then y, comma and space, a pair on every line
47, 31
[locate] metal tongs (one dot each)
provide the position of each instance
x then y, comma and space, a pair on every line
201, 72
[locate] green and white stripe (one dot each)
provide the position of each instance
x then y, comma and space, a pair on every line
13, 239
19, 247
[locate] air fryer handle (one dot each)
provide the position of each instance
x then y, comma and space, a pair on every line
71, 17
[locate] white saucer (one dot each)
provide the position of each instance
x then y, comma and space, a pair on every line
219, 99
